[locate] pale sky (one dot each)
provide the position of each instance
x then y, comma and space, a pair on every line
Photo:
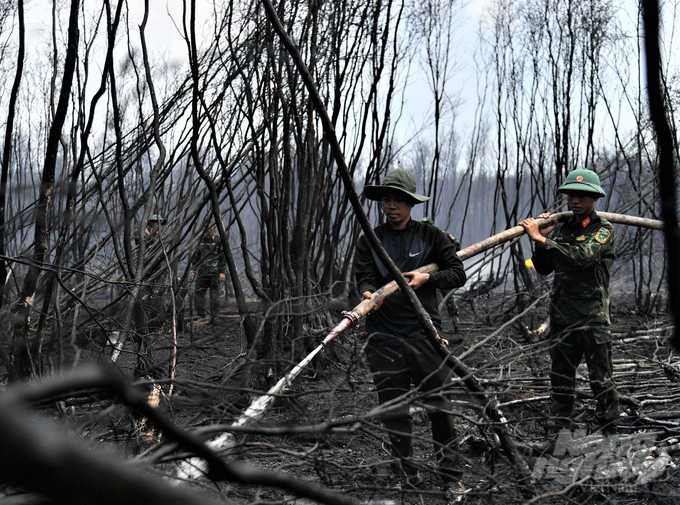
164, 39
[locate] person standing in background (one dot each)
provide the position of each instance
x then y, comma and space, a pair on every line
451, 305
210, 271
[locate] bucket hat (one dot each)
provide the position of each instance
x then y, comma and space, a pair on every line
157, 217
398, 180
582, 180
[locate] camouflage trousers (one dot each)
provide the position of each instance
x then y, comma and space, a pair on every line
205, 282
451, 306
568, 346
149, 315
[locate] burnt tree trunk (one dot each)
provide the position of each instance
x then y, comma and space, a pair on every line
21, 365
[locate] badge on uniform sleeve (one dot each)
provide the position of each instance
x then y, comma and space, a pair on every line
602, 235
581, 238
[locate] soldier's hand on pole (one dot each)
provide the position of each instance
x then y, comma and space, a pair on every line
223, 277
530, 225
192, 275
545, 230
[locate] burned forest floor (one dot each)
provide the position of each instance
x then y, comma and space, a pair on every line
324, 430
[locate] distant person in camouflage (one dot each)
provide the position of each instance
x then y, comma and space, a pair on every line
580, 252
150, 310
209, 269
451, 306
155, 277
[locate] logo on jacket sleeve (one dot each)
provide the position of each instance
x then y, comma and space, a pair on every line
602, 235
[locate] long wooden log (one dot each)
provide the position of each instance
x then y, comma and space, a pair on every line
518, 231
366, 306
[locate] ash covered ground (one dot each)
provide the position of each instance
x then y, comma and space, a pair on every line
320, 431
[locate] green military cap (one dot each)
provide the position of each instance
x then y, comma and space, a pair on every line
582, 180
157, 217
398, 180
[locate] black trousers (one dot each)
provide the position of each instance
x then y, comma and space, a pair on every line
394, 369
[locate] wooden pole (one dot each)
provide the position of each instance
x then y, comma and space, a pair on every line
518, 231
367, 306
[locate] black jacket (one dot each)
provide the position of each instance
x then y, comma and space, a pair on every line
417, 245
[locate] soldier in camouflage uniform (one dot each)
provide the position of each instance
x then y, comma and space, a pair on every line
155, 278
150, 310
210, 267
451, 306
580, 252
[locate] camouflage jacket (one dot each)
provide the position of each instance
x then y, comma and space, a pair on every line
581, 255
154, 256
209, 258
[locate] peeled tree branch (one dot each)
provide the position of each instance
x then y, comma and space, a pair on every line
518, 231
366, 306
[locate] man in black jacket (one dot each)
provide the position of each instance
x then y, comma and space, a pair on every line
398, 350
